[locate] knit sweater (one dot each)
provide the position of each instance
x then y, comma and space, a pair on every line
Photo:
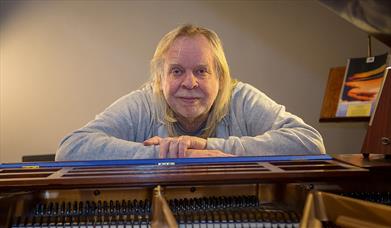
254, 126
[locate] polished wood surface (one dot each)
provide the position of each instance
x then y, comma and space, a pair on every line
277, 189
161, 213
372, 162
152, 175
332, 91
340, 211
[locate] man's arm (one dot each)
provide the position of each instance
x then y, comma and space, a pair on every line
258, 126
183, 147
262, 127
116, 133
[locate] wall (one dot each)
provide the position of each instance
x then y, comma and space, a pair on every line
62, 62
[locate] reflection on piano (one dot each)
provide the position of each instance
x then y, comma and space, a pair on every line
229, 192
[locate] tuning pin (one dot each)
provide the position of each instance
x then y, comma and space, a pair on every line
141, 207
68, 209
75, 210
227, 202
93, 208
110, 210
87, 208
55, 209
192, 206
202, 204
175, 204
256, 200
215, 203
117, 207
62, 208
106, 209
207, 203
44, 209
136, 206
186, 205
80, 209
49, 210
37, 208
99, 207
242, 201
148, 206
130, 207
123, 207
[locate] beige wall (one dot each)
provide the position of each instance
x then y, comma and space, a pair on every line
62, 62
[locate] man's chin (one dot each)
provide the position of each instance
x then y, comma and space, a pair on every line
189, 115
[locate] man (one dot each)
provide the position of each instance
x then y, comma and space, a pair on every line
191, 108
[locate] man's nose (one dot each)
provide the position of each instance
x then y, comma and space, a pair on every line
190, 81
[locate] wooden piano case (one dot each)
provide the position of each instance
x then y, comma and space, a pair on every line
230, 194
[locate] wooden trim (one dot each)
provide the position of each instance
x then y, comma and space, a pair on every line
134, 175
378, 137
161, 213
332, 92
344, 119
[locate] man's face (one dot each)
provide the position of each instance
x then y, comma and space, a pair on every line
189, 82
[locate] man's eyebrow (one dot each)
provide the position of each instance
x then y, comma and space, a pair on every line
203, 65
175, 65
179, 65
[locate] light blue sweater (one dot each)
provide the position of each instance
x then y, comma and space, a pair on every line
254, 126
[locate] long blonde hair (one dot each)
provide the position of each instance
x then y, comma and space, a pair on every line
220, 106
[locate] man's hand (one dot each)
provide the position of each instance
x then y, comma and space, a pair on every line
183, 146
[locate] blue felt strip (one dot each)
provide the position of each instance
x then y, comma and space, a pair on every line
168, 161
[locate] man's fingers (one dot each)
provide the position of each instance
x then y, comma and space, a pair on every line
176, 147
168, 148
173, 149
152, 141
197, 143
164, 146
183, 145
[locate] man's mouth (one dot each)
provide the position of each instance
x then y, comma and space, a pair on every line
189, 100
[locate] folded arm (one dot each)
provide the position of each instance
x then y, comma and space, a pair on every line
263, 127
116, 133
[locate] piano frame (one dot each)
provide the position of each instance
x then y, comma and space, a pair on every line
275, 180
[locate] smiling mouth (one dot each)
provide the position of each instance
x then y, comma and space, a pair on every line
189, 100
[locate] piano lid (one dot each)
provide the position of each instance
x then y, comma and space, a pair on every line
371, 16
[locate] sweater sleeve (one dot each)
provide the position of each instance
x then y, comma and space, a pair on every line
116, 133
263, 127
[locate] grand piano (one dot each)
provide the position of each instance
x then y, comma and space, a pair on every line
348, 190
273, 191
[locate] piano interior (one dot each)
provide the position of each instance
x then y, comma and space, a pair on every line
252, 194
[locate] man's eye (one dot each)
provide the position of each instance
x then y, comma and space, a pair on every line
176, 71
201, 71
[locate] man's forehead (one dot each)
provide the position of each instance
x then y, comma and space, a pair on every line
185, 47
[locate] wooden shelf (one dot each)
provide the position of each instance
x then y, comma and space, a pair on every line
344, 119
